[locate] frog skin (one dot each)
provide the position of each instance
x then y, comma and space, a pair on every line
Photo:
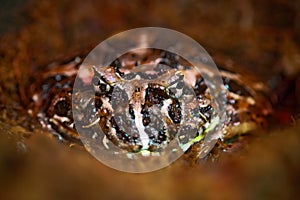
247, 106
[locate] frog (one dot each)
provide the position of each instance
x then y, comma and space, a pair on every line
128, 92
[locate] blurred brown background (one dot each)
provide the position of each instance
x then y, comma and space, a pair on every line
262, 36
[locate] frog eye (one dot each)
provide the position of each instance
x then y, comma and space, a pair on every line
62, 108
